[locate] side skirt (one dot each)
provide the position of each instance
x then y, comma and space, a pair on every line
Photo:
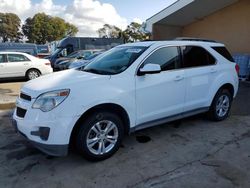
168, 119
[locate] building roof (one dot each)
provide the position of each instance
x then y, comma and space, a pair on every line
184, 12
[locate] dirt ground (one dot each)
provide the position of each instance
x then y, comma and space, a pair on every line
195, 153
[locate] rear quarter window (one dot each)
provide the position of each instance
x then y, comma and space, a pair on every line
195, 56
224, 52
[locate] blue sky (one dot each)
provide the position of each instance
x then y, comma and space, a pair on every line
88, 15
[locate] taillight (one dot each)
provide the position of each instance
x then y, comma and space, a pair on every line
48, 63
237, 68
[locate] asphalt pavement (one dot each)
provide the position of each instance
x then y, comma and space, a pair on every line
194, 153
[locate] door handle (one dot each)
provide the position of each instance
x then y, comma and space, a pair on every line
178, 78
213, 70
1, 65
25, 64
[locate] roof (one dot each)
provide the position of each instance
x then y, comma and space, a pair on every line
184, 12
173, 42
12, 52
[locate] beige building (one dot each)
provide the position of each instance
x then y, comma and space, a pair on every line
226, 21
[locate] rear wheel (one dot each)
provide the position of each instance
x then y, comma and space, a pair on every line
32, 74
100, 136
221, 105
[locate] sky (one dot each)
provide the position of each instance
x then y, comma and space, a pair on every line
88, 15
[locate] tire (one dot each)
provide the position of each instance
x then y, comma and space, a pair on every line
221, 105
92, 141
32, 74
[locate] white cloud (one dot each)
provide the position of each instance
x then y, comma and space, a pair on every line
15, 6
87, 15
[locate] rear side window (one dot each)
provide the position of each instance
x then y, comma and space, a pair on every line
168, 58
2, 59
194, 56
17, 58
224, 52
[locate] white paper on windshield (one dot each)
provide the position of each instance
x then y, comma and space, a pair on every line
133, 50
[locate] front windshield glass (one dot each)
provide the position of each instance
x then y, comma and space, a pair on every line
115, 60
92, 56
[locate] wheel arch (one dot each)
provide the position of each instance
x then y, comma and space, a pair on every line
26, 73
227, 86
110, 107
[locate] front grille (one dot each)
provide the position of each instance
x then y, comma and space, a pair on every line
25, 97
20, 112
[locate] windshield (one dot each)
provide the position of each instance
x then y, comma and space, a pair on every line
92, 56
115, 60
58, 50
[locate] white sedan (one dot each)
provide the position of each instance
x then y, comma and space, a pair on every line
17, 64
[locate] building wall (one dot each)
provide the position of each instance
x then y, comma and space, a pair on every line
230, 25
164, 32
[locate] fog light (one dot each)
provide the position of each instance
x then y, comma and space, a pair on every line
43, 133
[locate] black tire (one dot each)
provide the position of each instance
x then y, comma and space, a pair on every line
85, 130
32, 74
213, 113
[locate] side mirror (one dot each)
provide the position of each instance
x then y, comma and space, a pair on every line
149, 69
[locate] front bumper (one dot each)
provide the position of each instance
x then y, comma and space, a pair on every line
54, 150
50, 132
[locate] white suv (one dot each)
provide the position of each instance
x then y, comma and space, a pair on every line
128, 88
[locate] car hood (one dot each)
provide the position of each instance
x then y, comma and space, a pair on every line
68, 79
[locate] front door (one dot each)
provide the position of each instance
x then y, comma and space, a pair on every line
17, 65
162, 94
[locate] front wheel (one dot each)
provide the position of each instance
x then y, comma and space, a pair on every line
100, 136
221, 105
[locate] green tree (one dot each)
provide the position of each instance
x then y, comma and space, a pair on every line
43, 28
109, 31
133, 33
10, 27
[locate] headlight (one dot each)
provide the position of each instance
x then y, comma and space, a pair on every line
48, 101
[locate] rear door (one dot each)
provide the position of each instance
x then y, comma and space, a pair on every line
200, 69
17, 65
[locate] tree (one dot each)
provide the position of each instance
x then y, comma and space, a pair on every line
10, 27
43, 28
109, 31
133, 33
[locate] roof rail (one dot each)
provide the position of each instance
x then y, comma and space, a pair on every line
195, 39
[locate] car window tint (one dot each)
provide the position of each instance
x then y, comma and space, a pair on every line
2, 60
17, 58
224, 52
194, 56
168, 58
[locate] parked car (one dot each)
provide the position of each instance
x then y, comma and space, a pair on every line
69, 45
83, 62
17, 64
128, 88
63, 63
43, 50
28, 48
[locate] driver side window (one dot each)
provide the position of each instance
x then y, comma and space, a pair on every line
167, 57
